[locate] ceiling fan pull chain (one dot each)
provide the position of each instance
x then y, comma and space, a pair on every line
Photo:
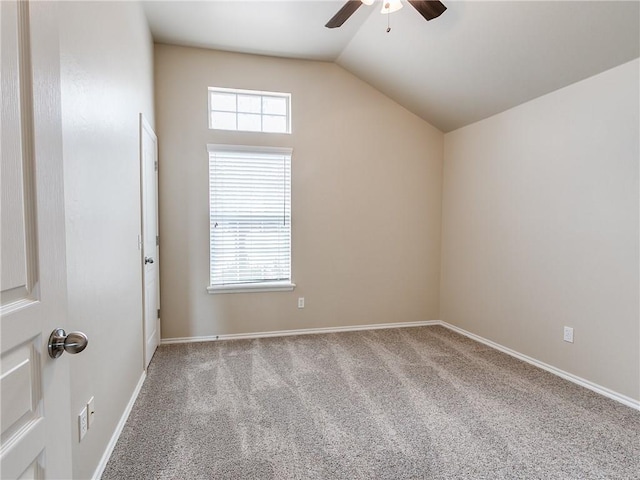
388, 23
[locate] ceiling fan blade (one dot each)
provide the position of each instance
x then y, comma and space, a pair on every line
429, 9
344, 13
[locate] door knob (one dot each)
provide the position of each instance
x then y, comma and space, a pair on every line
60, 342
148, 260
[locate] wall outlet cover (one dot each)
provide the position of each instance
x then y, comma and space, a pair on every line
568, 334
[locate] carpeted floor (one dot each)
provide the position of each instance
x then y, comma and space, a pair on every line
420, 402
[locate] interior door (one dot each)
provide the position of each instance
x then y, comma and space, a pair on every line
150, 238
35, 413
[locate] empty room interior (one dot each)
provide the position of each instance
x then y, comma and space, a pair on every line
322, 239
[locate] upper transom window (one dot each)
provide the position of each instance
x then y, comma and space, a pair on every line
249, 110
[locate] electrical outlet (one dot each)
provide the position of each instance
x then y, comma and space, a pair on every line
91, 411
568, 334
82, 423
301, 302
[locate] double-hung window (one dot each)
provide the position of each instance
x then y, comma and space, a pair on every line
250, 218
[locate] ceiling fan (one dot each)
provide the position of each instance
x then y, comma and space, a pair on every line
429, 9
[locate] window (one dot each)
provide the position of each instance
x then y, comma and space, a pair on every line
249, 110
250, 215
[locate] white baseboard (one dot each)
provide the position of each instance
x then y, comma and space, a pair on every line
302, 331
116, 434
628, 401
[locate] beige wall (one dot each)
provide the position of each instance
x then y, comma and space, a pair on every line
540, 229
366, 193
107, 79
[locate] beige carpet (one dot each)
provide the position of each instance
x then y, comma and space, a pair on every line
406, 403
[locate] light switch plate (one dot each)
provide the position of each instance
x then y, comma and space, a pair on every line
82, 423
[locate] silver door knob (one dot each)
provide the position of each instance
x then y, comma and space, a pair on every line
60, 342
148, 260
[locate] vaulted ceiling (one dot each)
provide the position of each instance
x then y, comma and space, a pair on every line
477, 59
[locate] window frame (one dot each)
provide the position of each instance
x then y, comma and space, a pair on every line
255, 93
261, 286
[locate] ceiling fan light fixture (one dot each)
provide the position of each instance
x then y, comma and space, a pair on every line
390, 6
429, 9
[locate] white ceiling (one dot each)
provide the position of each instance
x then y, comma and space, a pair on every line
477, 59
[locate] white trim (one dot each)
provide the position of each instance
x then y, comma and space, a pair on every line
220, 147
252, 287
116, 434
628, 401
248, 92
302, 331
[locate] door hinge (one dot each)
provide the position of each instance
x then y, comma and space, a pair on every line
157, 240
155, 165
158, 313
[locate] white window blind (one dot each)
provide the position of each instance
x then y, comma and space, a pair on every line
250, 215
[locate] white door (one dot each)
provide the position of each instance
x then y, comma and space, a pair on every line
35, 413
149, 188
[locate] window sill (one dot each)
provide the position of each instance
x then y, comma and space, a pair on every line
253, 287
